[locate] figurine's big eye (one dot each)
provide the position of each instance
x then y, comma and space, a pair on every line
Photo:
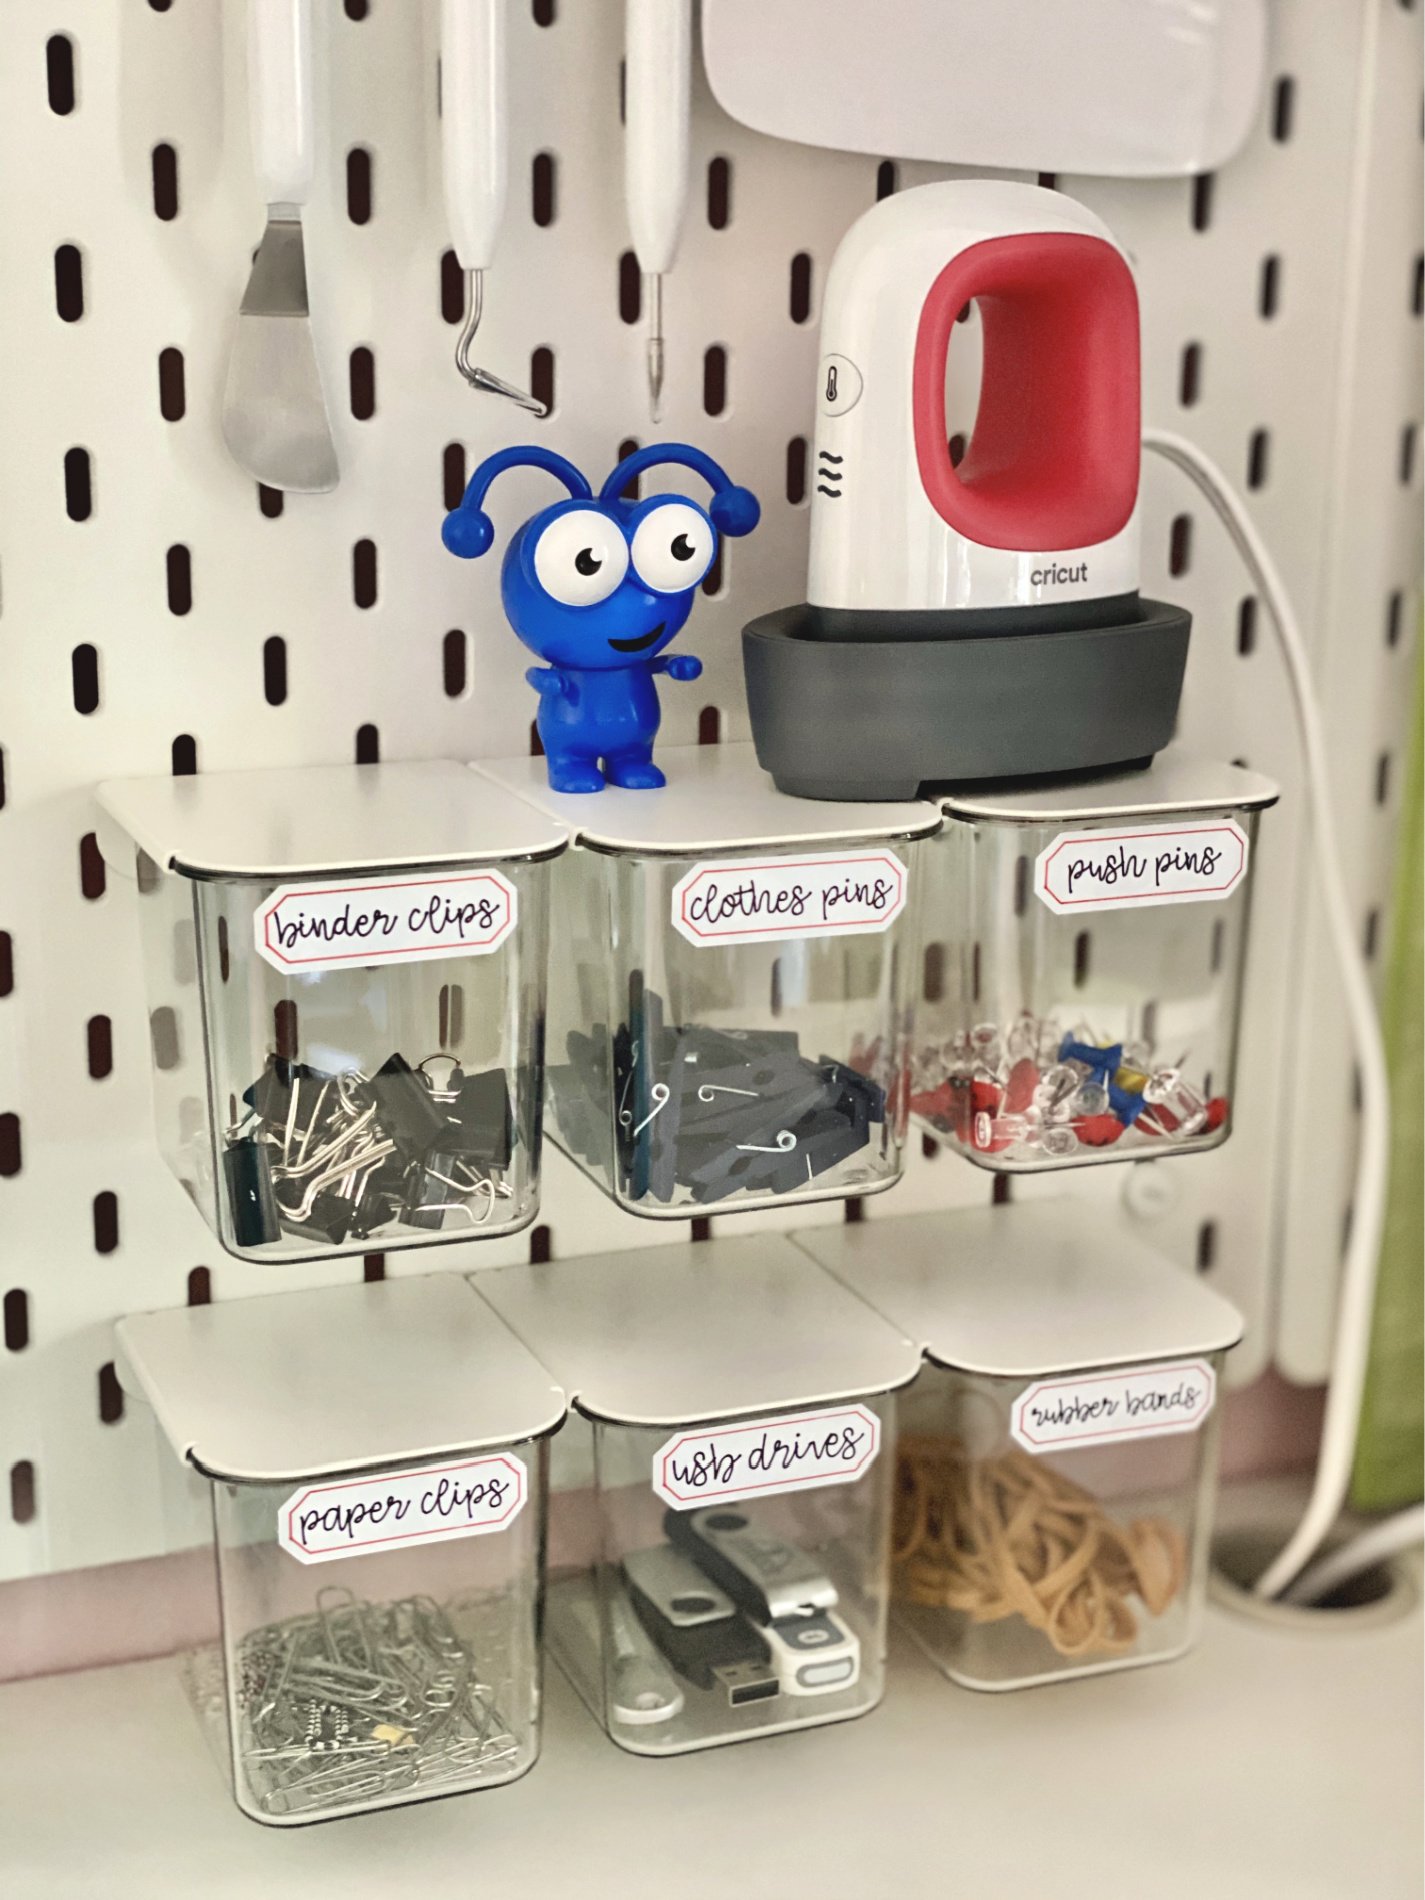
672, 548
580, 558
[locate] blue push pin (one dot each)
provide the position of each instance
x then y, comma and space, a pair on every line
598, 588
1102, 1064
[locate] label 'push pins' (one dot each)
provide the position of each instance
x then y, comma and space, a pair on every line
598, 587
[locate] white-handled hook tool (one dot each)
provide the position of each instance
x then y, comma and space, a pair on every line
473, 138
658, 42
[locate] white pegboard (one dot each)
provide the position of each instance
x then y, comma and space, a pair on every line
1327, 187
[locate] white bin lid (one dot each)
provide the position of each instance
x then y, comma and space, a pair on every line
298, 1385
317, 819
717, 798
1027, 1290
1175, 781
704, 1330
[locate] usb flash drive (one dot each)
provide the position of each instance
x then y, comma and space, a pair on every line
813, 1655
697, 1626
766, 1575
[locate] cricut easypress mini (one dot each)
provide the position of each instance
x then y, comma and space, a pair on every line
982, 620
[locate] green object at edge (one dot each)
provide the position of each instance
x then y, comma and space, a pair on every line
1390, 1451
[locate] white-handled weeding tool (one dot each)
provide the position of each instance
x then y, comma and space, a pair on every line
658, 41
473, 136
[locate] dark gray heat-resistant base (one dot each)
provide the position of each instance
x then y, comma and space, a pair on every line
879, 718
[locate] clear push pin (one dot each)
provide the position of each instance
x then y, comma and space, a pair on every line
483, 379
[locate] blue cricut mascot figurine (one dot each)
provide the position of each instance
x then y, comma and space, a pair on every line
598, 589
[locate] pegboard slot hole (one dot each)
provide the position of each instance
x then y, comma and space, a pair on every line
1258, 451
719, 193
178, 565
78, 485
452, 474
69, 283
111, 1395
1083, 958
452, 288
544, 189
99, 1045
172, 391
1189, 379
59, 73
1394, 618
1283, 108
17, 1319
361, 382
454, 663
932, 979
22, 1491
274, 669
360, 199
1247, 626
84, 676
163, 1038
92, 875
363, 573
164, 169
106, 1221
797, 470
541, 377
633, 487
1270, 296
630, 288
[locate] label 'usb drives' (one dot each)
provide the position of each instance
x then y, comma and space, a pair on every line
769, 1577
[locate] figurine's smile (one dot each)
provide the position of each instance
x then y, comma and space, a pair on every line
639, 646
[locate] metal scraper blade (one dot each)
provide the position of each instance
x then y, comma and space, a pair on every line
274, 413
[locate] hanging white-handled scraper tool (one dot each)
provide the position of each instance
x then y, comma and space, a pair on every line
658, 41
275, 419
473, 136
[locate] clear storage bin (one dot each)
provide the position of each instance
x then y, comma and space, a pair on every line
1057, 1463
376, 1461
1082, 978
732, 1581
346, 970
729, 998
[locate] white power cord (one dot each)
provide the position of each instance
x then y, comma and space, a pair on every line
1358, 1278
1372, 1546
